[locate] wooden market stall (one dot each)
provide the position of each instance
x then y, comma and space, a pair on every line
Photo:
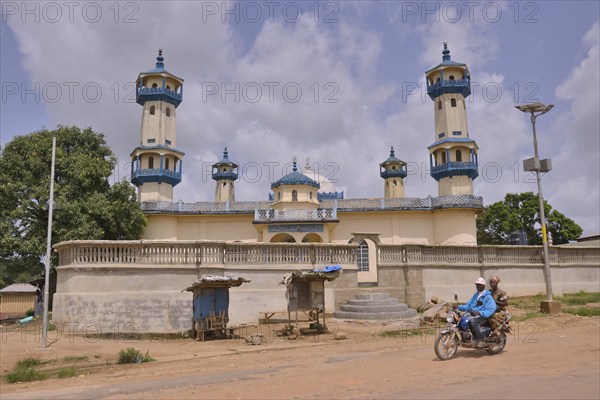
306, 292
211, 304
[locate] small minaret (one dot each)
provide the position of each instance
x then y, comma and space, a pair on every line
225, 173
156, 164
453, 155
393, 171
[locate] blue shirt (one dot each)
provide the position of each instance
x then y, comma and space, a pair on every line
486, 309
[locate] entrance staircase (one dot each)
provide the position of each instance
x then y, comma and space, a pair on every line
375, 306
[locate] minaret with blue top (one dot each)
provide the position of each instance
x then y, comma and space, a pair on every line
453, 155
393, 171
157, 164
225, 172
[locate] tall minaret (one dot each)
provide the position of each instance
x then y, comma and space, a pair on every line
156, 164
225, 173
453, 156
393, 171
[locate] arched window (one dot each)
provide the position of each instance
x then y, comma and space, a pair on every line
168, 87
362, 256
294, 195
451, 77
393, 168
439, 104
278, 195
167, 163
152, 110
168, 112
458, 156
150, 162
224, 184
154, 85
395, 183
437, 80
452, 102
443, 157
310, 195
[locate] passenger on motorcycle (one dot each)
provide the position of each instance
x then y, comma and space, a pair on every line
481, 306
501, 300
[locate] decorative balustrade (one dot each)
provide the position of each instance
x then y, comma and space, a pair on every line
335, 205
485, 255
104, 252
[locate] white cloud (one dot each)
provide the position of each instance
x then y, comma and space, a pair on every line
347, 138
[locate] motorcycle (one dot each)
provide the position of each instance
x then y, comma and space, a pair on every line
457, 333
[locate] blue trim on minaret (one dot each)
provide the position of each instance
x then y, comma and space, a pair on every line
144, 94
454, 168
231, 168
140, 176
386, 167
458, 86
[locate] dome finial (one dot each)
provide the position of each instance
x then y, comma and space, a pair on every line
225, 153
160, 59
392, 151
295, 167
446, 52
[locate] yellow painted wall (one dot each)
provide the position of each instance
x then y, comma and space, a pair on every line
455, 186
448, 118
455, 227
158, 126
393, 227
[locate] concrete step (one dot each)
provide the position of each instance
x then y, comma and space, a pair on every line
374, 308
387, 302
410, 313
372, 296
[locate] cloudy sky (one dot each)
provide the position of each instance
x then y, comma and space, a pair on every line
335, 82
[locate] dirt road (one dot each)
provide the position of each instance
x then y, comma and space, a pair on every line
547, 358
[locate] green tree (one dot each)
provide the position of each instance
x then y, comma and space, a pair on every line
520, 211
86, 206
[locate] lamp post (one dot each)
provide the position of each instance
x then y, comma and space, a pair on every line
539, 166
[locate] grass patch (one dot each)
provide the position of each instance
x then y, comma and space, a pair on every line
583, 311
25, 375
579, 298
25, 372
67, 372
28, 363
75, 358
133, 356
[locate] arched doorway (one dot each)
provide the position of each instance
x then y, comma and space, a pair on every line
283, 238
312, 238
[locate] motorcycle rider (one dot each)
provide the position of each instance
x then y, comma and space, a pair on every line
481, 306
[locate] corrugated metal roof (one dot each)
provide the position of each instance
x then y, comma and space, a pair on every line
19, 288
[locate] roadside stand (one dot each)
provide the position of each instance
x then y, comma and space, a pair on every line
306, 292
211, 305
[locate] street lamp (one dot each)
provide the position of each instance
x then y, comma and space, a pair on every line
537, 165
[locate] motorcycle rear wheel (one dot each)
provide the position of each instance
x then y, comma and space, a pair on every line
445, 345
497, 347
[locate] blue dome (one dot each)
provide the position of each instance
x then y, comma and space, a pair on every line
296, 178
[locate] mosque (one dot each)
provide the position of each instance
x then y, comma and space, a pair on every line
409, 248
303, 206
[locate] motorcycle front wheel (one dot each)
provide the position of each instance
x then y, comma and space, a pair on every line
498, 346
445, 345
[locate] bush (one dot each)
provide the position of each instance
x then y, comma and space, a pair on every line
28, 363
67, 372
24, 371
133, 356
30, 312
